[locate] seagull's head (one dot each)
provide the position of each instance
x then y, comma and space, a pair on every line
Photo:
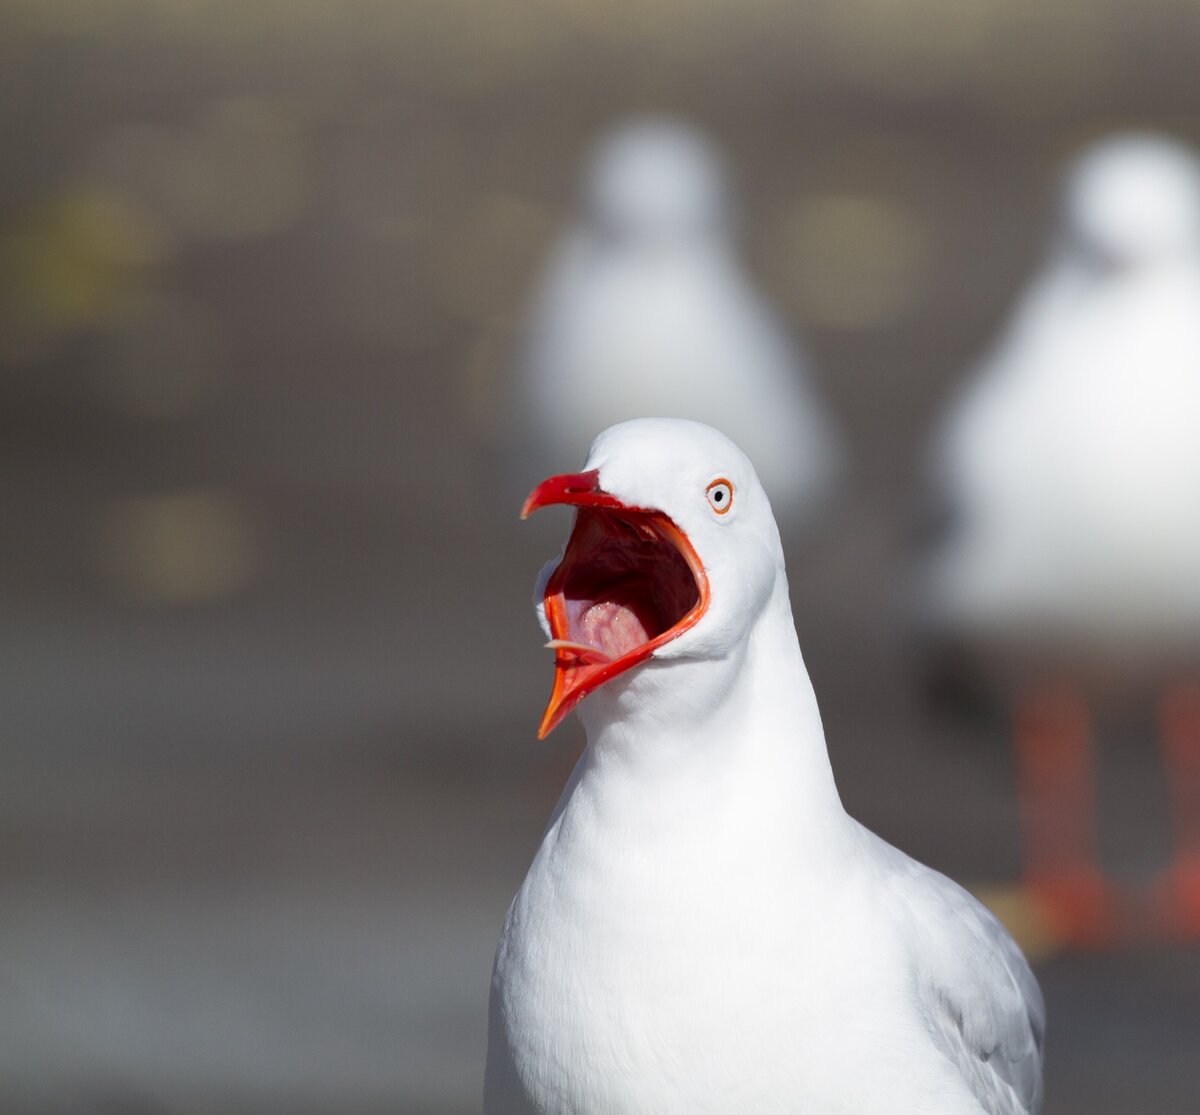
674, 554
1132, 201
655, 181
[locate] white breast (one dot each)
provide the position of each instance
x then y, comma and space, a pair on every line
687, 972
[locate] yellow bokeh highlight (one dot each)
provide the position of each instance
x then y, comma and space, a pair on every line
179, 548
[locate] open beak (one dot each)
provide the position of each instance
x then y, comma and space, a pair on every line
629, 581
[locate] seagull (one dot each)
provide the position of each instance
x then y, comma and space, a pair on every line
1066, 477
704, 928
645, 308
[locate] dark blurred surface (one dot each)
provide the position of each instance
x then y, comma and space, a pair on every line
270, 676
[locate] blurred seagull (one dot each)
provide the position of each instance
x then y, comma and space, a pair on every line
704, 928
1068, 479
646, 309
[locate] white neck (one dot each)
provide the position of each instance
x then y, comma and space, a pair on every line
681, 742
701, 833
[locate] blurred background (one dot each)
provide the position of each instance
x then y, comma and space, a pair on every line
271, 680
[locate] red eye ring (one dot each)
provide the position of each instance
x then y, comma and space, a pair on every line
720, 495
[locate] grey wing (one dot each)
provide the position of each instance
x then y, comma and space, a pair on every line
980, 1002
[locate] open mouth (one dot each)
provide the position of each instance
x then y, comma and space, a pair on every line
629, 581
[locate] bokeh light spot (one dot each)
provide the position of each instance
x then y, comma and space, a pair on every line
860, 261
69, 262
188, 547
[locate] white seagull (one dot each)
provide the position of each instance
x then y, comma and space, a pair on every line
1068, 473
704, 928
646, 309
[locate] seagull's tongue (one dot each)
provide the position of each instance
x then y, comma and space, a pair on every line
608, 625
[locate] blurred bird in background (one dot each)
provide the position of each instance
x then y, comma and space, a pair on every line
1065, 536
646, 309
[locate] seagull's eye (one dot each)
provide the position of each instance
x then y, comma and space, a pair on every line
720, 495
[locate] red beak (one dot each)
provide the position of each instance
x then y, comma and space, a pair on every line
629, 581
580, 489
